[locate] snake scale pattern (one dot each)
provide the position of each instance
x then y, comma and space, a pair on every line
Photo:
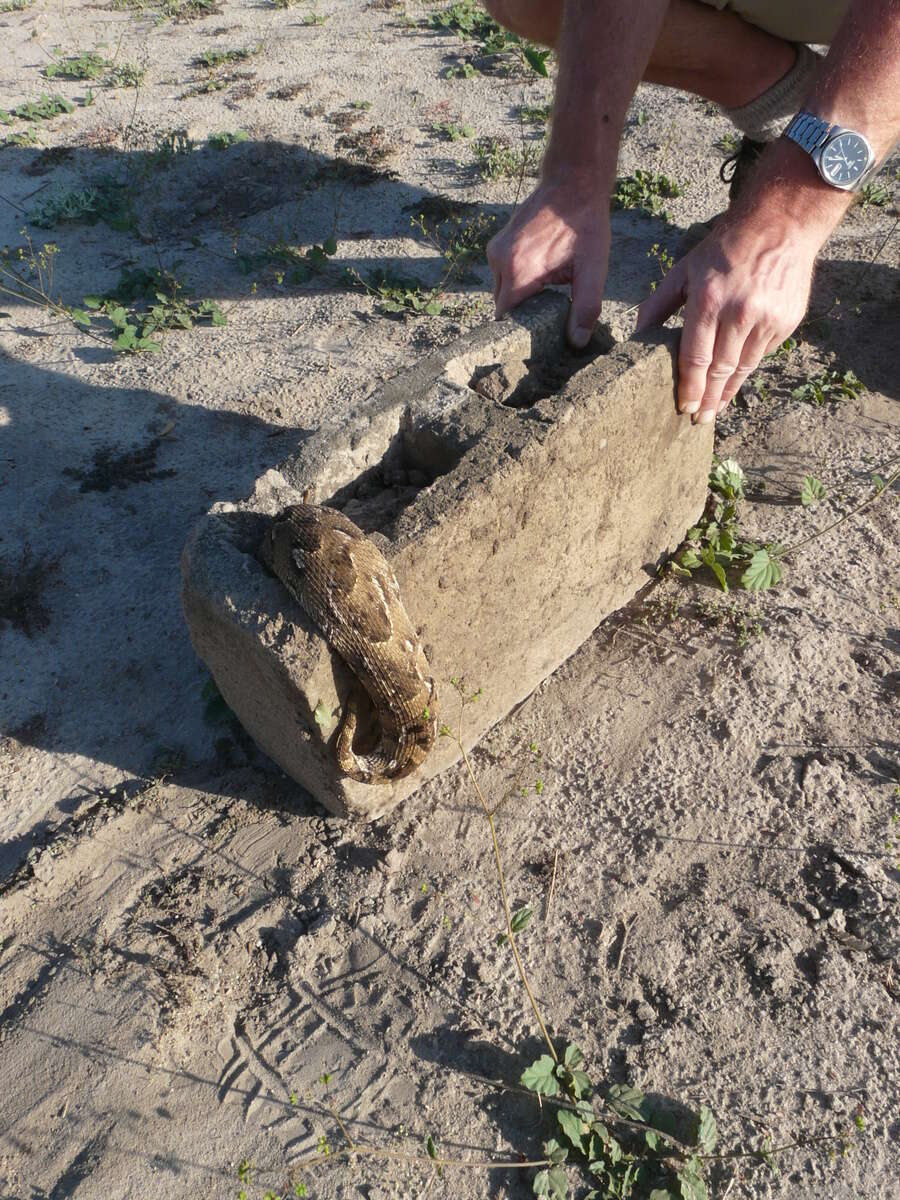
345, 585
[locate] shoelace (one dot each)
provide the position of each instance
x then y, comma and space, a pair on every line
747, 152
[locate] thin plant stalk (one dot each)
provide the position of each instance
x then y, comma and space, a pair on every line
888, 483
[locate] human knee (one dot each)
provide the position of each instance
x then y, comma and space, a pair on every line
503, 11
537, 20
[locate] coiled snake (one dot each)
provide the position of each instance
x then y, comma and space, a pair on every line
342, 580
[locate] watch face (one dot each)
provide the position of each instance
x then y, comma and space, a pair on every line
845, 159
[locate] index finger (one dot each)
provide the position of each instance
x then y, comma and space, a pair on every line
509, 295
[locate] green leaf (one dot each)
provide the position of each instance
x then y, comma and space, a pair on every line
539, 1077
627, 1101
692, 1185
763, 572
690, 560
572, 1126
708, 555
878, 484
551, 1183
812, 492
126, 339
80, 317
429, 1147
651, 1137
92, 302
707, 1133
661, 1194
727, 478
581, 1084
322, 715
330, 246
518, 921
536, 59
572, 1056
554, 1151
434, 308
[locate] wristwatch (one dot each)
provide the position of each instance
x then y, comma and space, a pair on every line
843, 157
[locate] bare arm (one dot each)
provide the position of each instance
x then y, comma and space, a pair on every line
603, 53
745, 288
561, 233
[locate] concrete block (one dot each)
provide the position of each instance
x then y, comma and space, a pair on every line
521, 494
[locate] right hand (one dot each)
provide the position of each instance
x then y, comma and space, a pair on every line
561, 234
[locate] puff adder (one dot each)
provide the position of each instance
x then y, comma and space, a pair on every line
344, 583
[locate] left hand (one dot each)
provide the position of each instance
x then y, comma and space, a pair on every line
745, 289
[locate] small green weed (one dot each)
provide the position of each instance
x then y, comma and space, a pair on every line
394, 295
15, 5
644, 1158
24, 137
66, 204
664, 261
462, 71
178, 11
729, 143
125, 75
85, 65
222, 141
169, 146
812, 491
499, 159
461, 242
144, 304
212, 60
472, 23
105, 200
314, 18
874, 195
452, 130
645, 190
785, 350
534, 114
717, 543
721, 615
829, 386
45, 108
304, 265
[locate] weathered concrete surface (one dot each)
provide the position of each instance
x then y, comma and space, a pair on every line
513, 531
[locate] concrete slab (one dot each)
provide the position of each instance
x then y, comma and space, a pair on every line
520, 493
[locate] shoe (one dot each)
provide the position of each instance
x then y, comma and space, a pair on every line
737, 168
735, 171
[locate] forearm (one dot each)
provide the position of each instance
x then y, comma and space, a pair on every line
858, 86
603, 51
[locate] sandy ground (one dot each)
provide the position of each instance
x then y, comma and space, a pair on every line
188, 945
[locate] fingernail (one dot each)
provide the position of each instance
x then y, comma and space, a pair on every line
579, 338
705, 416
690, 406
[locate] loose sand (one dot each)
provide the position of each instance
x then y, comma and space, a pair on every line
186, 942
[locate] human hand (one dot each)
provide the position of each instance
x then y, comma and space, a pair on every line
560, 234
745, 289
